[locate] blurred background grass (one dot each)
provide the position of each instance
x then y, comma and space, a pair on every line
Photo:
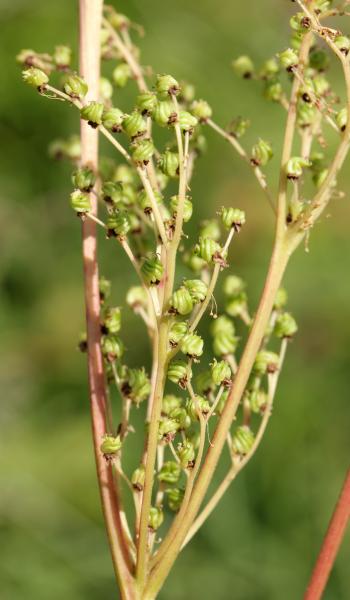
261, 543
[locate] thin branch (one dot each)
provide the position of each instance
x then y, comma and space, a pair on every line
242, 153
331, 544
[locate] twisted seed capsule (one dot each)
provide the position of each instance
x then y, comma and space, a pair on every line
197, 289
152, 270
35, 77
75, 86
80, 202
192, 345
143, 152
170, 472
181, 301
92, 113
110, 445
243, 440
134, 124
179, 372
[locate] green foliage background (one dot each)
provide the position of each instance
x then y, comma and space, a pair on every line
261, 543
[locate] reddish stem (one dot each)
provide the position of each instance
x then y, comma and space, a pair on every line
90, 15
331, 544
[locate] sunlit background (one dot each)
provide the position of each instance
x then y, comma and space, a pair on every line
261, 542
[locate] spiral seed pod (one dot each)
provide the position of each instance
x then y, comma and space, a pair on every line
204, 382
239, 126
166, 86
320, 177
163, 113
201, 110
321, 85
170, 403
138, 478
167, 430
118, 224
188, 207
176, 332
112, 347
170, 472
105, 90
306, 115
222, 324
232, 218
137, 297
181, 417
270, 69
75, 87
193, 261
319, 59
286, 326
156, 518
208, 249
112, 320
92, 113
134, 124
110, 445
224, 343
342, 119
343, 44
220, 372
300, 22
295, 165
288, 59
243, 66
186, 454
152, 270
112, 119
197, 289
145, 202
262, 153
273, 90
192, 345
105, 289
210, 228
181, 302
80, 202
233, 286
179, 373
121, 75
257, 400
35, 77
169, 163
112, 192
242, 441
84, 179
116, 19
143, 152
237, 306
266, 362
139, 385
62, 57
146, 103
187, 122
281, 299
197, 405
175, 497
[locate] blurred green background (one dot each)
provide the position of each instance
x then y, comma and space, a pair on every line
261, 543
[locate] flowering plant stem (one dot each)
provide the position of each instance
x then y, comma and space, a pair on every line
135, 201
89, 52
